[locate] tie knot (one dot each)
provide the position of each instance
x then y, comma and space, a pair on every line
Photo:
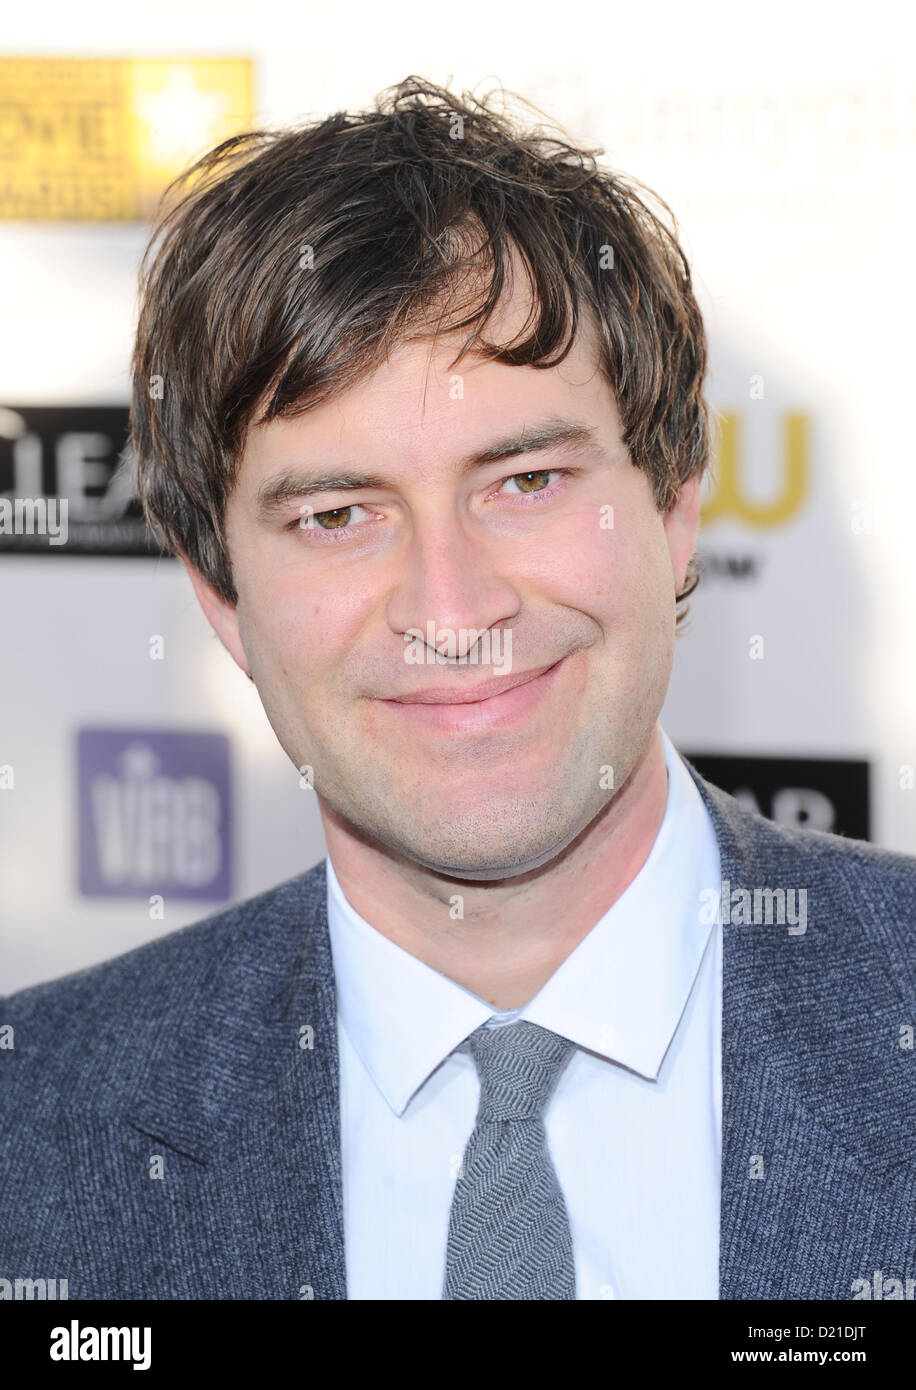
519, 1064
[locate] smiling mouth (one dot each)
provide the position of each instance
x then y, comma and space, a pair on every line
504, 703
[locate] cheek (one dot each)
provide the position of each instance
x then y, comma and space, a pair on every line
619, 575
292, 623
579, 564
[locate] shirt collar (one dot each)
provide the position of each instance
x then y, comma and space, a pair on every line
620, 993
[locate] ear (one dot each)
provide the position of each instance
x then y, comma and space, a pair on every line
220, 614
681, 523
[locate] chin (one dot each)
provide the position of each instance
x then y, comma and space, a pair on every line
491, 862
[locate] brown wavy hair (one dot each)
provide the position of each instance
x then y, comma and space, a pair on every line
396, 204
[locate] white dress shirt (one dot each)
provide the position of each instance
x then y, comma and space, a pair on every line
634, 1125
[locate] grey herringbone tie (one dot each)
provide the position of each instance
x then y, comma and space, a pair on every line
509, 1231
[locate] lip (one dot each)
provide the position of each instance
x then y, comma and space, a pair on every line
469, 695
492, 704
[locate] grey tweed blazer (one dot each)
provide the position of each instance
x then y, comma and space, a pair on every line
184, 1057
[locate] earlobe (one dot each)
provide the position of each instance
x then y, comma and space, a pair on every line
681, 526
220, 614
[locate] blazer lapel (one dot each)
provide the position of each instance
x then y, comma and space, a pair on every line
286, 1156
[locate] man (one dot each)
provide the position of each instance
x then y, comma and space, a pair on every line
418, 399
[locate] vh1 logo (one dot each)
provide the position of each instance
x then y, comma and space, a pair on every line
806, 793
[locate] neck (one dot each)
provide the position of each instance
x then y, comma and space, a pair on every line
516, 932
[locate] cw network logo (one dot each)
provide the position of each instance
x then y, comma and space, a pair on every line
730, 497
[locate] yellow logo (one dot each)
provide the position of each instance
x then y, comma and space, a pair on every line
97, 139
729, 499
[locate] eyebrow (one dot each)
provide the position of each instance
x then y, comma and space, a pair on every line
551, 433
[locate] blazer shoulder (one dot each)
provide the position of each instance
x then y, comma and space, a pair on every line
844, 854
90, 1021
757, 838
859, 861
860, 897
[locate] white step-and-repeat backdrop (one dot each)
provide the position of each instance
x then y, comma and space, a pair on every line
140, 784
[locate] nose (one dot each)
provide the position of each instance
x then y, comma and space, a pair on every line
452, 580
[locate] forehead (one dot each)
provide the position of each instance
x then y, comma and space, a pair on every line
428, 395
512, 321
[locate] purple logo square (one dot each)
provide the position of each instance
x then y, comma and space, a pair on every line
154, 814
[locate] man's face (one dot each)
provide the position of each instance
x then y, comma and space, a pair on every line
560, 552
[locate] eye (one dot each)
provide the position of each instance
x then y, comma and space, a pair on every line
534, 481
334, 520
